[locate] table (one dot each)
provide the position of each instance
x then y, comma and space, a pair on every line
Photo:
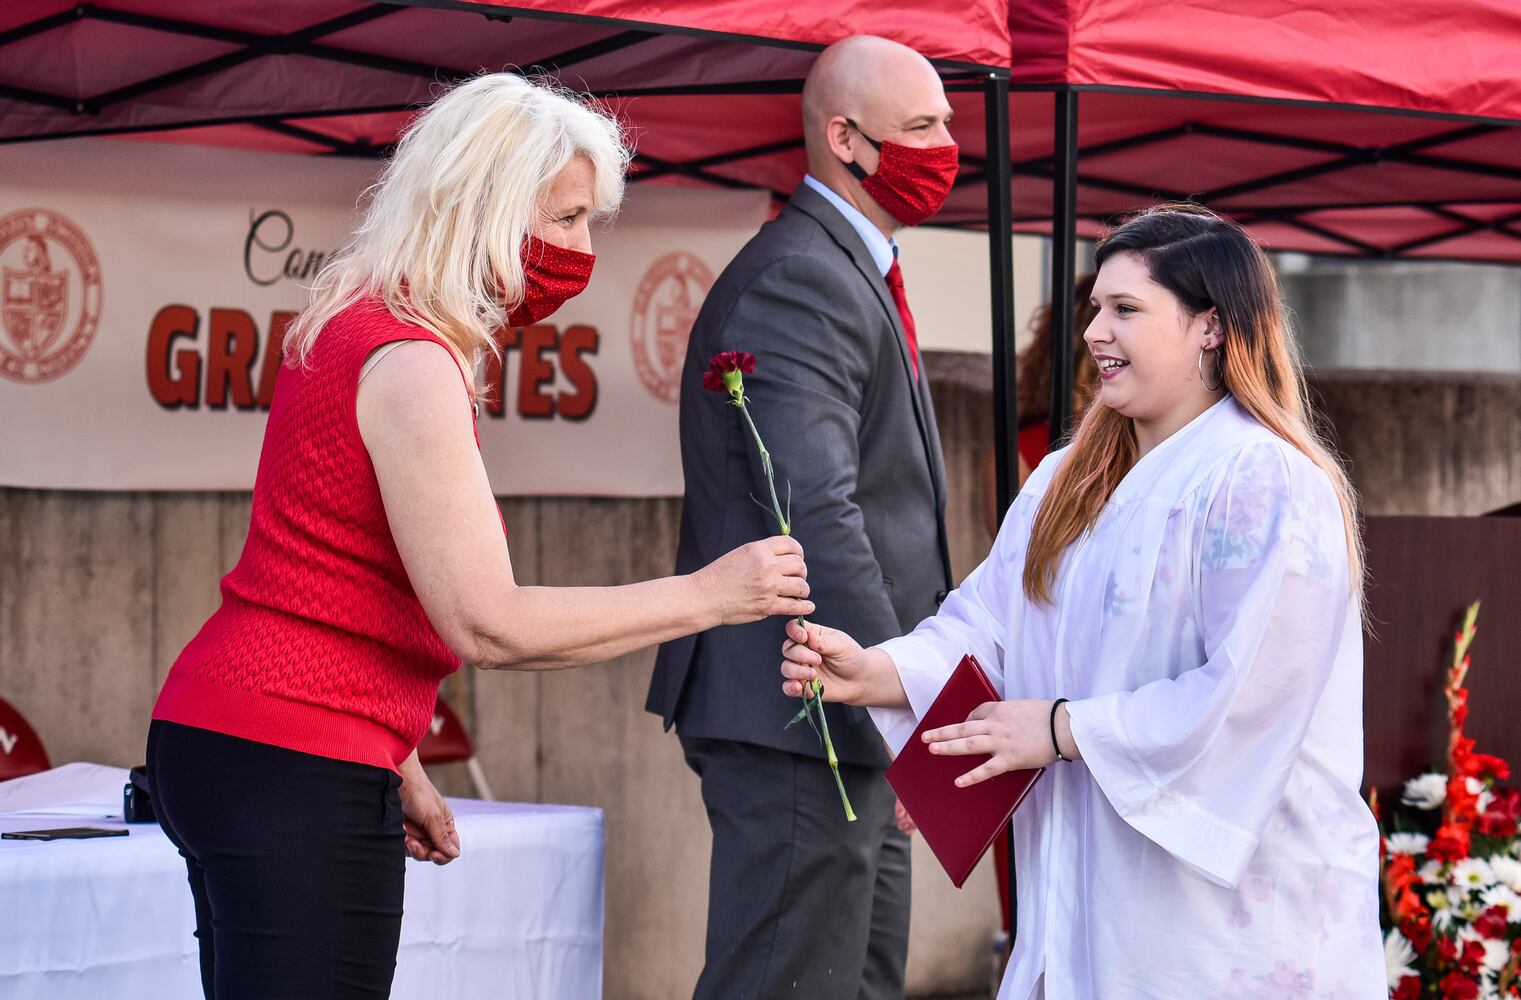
518, 916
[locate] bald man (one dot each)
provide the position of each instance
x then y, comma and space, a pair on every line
802, 903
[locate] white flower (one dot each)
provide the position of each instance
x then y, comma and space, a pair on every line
1474, 785
1496, 954
1398, 954
1472, 873
1505, 897
1488, 988
1486, 799
1442, 918
1407, 843
1428, 791
1507, 870
1431, 873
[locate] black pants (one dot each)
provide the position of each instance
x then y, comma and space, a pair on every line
296, 862
801, 903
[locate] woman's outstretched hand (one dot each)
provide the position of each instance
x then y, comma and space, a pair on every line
756, 581
1016, 733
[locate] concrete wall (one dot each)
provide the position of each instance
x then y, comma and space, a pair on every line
1446, 443
98, 592
1405, 315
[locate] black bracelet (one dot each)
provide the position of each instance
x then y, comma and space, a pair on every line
1058, 703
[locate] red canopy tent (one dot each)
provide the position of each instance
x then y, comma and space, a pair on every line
1372, 128
708, 88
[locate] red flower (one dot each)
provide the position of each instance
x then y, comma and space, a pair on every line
1489, 766
1491, 923
724, 363
1408, 989
1450, 843
1493, 824
1418, 930
1458, 711
1469, 959
1456, 986
1507, 802
1472, 959
1407, 905
1477, 765
1462, 804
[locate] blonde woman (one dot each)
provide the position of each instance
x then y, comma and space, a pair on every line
1172, 610
283, 747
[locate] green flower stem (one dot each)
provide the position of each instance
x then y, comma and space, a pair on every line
776, 505
834, 762
813, 693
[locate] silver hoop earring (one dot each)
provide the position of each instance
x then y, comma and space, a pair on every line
1219, 368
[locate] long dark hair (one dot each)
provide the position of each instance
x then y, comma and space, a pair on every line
1206, 261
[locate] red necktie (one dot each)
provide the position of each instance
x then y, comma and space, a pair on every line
900, 299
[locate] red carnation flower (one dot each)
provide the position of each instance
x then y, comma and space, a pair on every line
1472, 959
1450, 843
721, 369
1418, 930
1507, 802
1493, 824
1491, 923
1503, 818
1456, 986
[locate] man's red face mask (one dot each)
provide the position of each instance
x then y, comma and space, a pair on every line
910, 183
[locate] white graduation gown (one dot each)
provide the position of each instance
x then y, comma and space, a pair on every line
1213, 842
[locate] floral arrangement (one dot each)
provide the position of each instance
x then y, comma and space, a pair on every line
726, 373
1451, 868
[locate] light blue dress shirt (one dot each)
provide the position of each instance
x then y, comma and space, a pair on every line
883, 250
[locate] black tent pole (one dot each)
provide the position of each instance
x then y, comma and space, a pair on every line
1063, 250
1001, 271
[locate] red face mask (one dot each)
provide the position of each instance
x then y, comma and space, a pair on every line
910, 183
551, 276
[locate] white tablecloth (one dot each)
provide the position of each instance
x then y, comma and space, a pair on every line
518, 916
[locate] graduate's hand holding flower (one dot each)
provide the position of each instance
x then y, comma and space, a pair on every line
1017, 734
847, 672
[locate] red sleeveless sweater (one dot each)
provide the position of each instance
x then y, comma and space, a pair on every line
320, 644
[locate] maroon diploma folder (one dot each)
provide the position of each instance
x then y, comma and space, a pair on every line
958, 824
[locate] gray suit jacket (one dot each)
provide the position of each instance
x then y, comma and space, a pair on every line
835, 399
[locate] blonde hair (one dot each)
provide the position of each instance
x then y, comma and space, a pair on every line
440, 241
1204, 260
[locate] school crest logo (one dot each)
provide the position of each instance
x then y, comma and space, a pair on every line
49, 295
665, 306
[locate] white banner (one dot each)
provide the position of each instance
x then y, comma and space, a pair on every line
145, 286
